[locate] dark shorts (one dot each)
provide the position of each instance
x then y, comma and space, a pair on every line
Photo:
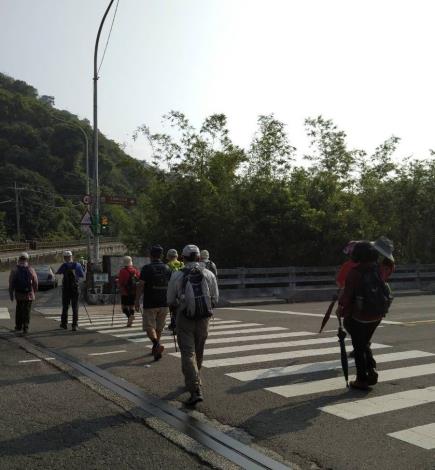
128, 299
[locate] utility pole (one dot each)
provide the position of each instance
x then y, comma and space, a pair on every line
17, 211
96, 203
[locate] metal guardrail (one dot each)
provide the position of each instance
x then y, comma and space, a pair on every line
41, 244
412, 276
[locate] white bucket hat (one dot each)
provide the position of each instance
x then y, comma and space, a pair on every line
67, 254
385, 247
190, 250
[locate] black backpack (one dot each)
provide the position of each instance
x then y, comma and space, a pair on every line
70, 282
23, 280
374, 295
160, 274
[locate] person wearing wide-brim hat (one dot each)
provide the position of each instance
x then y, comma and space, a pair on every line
384, 246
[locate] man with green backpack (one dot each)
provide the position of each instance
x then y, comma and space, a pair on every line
72, 272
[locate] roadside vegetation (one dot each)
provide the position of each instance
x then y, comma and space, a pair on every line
258, 206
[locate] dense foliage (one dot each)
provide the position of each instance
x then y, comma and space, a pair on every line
249, 207
43, 151
256, 207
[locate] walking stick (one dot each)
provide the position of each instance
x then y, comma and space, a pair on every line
87, 313
114, 303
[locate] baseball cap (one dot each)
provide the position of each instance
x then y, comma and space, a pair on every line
190, 250
67, 253
156, 250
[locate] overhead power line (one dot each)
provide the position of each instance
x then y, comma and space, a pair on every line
108, 37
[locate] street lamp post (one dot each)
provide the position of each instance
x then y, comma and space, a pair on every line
72, 124
96, 202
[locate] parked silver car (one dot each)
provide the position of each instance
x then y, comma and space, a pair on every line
46, 277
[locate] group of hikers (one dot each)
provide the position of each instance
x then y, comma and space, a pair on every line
187, 289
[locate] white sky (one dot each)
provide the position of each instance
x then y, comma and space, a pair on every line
368, 65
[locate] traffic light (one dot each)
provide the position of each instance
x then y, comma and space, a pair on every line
104, 224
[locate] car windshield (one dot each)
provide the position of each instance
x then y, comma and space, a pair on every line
43, 269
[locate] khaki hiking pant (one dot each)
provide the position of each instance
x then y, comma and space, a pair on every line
191, 336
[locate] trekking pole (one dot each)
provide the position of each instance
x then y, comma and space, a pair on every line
114, 303
87, 313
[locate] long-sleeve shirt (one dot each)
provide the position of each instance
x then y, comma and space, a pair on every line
23, 295
175, 286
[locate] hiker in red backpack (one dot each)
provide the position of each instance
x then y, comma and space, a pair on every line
364, 302
127, 279
23, 282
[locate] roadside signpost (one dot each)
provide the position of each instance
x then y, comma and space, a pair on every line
119, 200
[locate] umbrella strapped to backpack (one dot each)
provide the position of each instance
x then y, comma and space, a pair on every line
87, 313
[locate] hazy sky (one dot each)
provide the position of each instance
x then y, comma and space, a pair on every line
368, 65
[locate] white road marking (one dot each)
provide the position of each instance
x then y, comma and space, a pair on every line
228, 327
4, 313
211, 331
271, 345
242, 360
303, 314
108, 352
327, 385
307, 368
252, 338
36, 360
385, 403
421, 436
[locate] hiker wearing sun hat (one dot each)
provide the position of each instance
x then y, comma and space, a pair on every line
385, 247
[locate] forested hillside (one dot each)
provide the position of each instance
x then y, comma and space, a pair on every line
250, 207
43, 151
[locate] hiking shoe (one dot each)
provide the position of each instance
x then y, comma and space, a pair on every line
158, 350
17, 328
25, 331
372, 378
130, 320
74, 328
359, 385
64, 326
195, 397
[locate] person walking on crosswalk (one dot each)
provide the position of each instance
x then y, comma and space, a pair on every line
364, 302
23, 283
194, 292
153, 284
72, 272
127, 281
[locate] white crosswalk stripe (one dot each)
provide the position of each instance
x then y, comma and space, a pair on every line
382, 404
4, 313
327, 385
271, 357
421, 436
261, 374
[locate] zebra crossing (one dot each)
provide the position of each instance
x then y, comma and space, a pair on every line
4, 313
242, 350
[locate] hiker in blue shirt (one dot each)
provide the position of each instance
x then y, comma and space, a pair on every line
72, 272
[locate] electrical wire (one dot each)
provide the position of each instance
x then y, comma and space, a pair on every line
108, 37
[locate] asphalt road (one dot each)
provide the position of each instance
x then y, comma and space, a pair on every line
278, 385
